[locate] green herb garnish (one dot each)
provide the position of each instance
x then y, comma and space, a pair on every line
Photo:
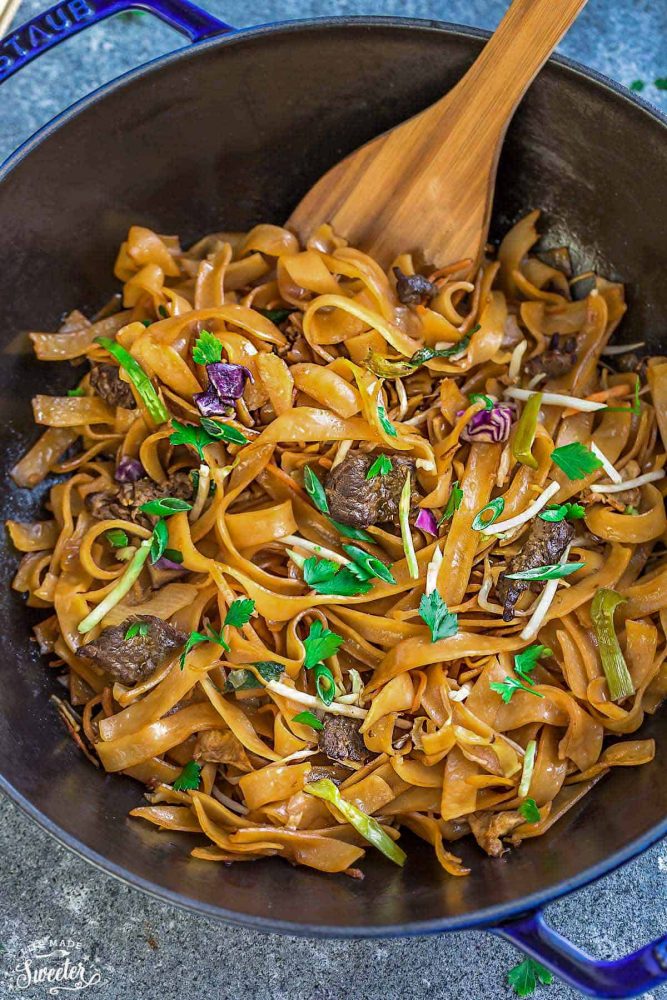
529, 811
637, 86
320, 644
207, 349
189, 778
576, 460
554, 571
160, 539
120, 588
372, 566
324, 683
222, 432
76, 392
165, 506
615, 668
380, 467
327, 577
635, 406
174, 555
276, 316
315, 490
308, 719
364, 824
189, 434
661, 83
385, 422
433, 611
137, 628
358, 534
117, 538
245, 680
239, 612
494, 508
632, 511
523, 978
526, 661
507, 688
155, 408
562, 512
453, 503
478, 397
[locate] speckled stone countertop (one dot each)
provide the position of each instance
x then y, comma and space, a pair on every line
145, 950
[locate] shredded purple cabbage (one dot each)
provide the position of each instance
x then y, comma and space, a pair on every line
426, 521
164, 563
492, 426
226, 382
129, 470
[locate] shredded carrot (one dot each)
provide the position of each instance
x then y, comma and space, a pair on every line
602, 396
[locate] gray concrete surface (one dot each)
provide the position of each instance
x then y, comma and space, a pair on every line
134, 947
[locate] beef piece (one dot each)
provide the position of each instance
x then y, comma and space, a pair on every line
341, 740
131, 661
358, 501
413, 288
559, 358
545, 545
219, 746
107, 383
489, 827
124, 500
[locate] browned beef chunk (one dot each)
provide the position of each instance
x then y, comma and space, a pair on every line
545, 545
124, 500
341, 740
489, 827
107, 383
358, 501
131, 661
413, 288
559, 358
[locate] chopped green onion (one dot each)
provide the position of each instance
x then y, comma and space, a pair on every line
524, 436
357, 533
553, 571
155, 408
364, 824
308, 719
324, 683
370, 564
76, 392
165, 506
385, 422
478, 397
528, 768
122, 587
116, 537
315, 490
406, 535
223, 432
160, 539
495, 508
615, 668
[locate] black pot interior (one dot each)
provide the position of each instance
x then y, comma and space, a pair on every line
223, 138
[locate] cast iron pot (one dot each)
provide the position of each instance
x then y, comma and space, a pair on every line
221, 136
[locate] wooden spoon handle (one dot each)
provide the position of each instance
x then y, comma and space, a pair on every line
522, 43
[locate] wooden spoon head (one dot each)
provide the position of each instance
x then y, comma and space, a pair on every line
408, 191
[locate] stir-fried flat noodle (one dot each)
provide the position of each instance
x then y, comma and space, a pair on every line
382, 671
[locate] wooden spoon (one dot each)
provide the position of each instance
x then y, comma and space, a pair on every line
427, 185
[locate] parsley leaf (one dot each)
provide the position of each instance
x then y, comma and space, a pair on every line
453, 503
562, 512
76, 392
117, 538
575, 460
276, 316
222, 432
137, 628
529, 811
245, 680
380, 467
196, 637
189, 778
326, 577
385, 422
320, 644
207, 349
507, 688
523, 978
159, 540
435, 613
239, 612
526, 661
308, 719
315, 490
196, 437
165, 506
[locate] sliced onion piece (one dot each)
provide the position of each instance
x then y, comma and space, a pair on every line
526, 515
543, 603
